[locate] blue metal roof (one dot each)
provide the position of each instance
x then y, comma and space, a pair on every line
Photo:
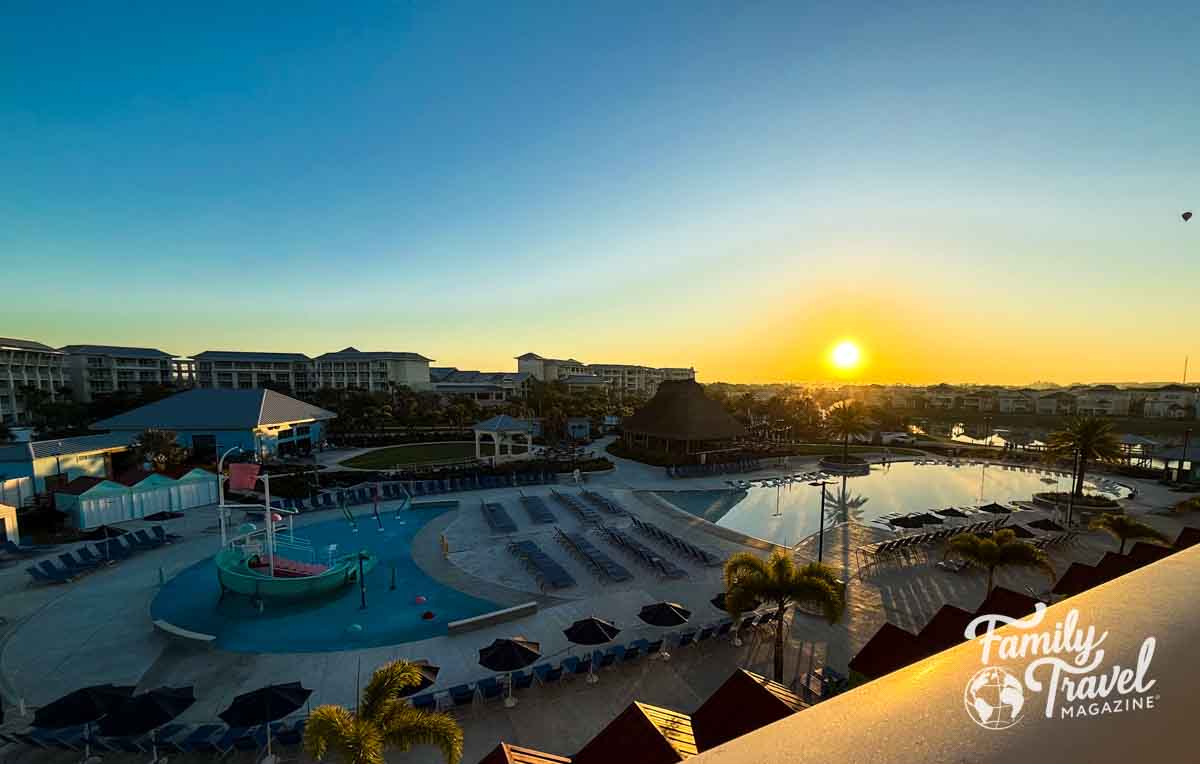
114, 350
40, 449
215, 409
242, 355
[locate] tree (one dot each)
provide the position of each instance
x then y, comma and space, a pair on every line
845, 421
5, 433
781, 582
160, 447
1124, 528
1002, 550
382, 720
1091, 437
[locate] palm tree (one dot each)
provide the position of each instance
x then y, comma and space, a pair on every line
382, 720
1002, 550
1124, 528
845, 421
780, 581
160, 447
1091, 437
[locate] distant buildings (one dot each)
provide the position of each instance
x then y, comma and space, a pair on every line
229, 369
487, 388
27, 363
620, 378
348, 368
1172, 402
104, 369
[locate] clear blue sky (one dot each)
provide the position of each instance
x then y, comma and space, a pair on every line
970, 191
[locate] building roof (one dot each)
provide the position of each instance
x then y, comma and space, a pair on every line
245, 355
681, 411
444, 375
889, 649
514, 754
1078, 577
530, 357
503, 423
1007, 602
8, 343
114, 350
742, 704
39, 449
641, 733
216, 409
354, 354
946, 629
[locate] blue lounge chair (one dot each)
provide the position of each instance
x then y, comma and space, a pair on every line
75, 566
189, 743
489, 688
604, 660
46, 572
461, 695
547, 674
426, 702
577, 666
688, 638
140, 545
631, 655
86, 554
28, 549
291, 735
521, 680
224, 742
162, 535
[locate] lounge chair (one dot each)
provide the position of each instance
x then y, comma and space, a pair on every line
573, 666
426, 702
521, 680
75, 566
547, 674
461, 695
141, 540
162, 534
291, 735
46, 572
326, 501
686, 638
489, 688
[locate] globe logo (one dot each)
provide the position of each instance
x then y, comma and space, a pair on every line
994, 698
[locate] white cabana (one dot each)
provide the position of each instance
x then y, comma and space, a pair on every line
95, 501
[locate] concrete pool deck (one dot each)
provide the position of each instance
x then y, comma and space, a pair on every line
56, 639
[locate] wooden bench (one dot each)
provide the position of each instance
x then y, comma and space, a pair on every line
172, 630
492, 618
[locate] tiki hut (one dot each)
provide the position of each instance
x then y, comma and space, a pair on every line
681, 419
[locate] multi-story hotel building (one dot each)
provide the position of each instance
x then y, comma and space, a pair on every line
105, 369
240, 370
375, 371
621, 378
24, 363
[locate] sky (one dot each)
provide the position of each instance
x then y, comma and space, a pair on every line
971, 192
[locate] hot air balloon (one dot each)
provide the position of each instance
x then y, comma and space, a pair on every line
1187, 216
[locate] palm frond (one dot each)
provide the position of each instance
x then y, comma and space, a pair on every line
327, 727
402, 727
741, 566
385, 687
1018, 553
813, 590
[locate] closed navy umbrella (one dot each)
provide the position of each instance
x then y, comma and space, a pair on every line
591, 631
719, 603
148, 711
665, 614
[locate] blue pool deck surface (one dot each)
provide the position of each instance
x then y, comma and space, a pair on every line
192, 599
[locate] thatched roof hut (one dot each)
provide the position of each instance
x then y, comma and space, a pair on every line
679, 418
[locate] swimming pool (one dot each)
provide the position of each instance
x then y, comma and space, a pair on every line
191, 600
787, 513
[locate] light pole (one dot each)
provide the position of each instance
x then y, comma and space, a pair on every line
221, 491
362, 584
821, 530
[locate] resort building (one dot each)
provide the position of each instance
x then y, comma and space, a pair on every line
1103, 400
979, 400
487, 388
621, 378
942, 397
1172, 402
38, 467
1059, 403
210, 422
183, 371
581, 383
1016, 402
238, 370
24, 363
375, 372
106, 369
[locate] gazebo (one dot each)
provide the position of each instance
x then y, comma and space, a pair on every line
679, 418
505, 432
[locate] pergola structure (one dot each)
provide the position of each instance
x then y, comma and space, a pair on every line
681, 419
505, 432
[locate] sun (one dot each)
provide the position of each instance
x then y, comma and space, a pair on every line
846, 355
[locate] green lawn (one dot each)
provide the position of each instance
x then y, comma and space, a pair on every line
415, 453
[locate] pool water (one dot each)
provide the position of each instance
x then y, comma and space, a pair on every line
791, 512
191, 600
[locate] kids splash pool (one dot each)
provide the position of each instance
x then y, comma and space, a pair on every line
335, 621
788, 512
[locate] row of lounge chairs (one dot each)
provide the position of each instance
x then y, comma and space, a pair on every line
86, 558
726, 468
547, 571
216, 739
604, 503
586, 514
497, 517
696, 553
495, 687
1056, 540
644, 554
903, 547
20, 551
537, 509
599, 563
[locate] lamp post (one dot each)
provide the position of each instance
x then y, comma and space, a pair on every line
221, 491
362, 584
821, 530
1071, 488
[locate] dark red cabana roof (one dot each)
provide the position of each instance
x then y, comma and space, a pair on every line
514, 754
742, 704
1077, 578
641, 733
1114, 565
946, 629
1007, 602
891, 648
1188, 537
1145, 553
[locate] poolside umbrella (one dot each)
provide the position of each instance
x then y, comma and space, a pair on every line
148, 711
950, 512
1021, 532
928, 519
905, 521
1046, 524
996, 509
83, 706
665, 614
507, 656
429, 675
265, 705
591, 631
719, 603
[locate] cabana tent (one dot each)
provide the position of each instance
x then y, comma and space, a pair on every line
92, 501
193, 488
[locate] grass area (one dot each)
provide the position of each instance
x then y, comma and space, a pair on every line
416, 453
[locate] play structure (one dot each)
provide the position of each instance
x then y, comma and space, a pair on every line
272, 563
